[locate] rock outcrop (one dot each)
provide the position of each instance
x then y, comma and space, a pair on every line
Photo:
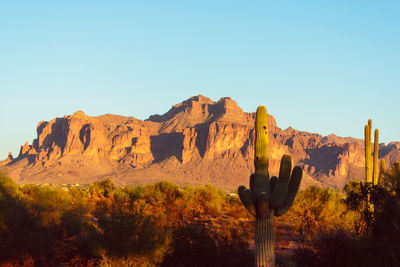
197, 141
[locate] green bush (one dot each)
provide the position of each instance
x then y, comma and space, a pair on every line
319, 209
121, 235
26, 227
103, 188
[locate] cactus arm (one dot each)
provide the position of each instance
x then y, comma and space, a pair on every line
252, 182
272, 183
376, 156
369, 127
293, 188
246, 197
279, 194
382, 169
367, 143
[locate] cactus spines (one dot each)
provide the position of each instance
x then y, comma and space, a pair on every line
268, 197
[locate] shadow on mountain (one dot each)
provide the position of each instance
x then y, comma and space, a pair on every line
166, 145
324, 158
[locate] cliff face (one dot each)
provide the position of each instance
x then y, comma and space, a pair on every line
197, 141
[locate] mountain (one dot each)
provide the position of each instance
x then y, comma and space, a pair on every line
196, 142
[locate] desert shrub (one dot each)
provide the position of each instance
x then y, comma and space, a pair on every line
231, 235
222, 244
131, 226
22, 261
26, 227
341, 248
318, 209
199, 237
234, 207
47, 204
75, 219
355, 200
182, 204
391, 179
385, 235
163, 198
161, 193
38, 224
334, 248
123, 236
102, 188
376, 243
208, 199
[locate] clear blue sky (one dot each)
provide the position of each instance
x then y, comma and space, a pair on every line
319, 66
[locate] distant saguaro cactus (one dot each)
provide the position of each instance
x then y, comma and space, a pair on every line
371, 175
267, 197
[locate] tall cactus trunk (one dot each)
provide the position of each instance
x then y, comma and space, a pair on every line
264, 240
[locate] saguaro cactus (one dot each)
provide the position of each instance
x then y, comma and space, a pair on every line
371, 175
267, 197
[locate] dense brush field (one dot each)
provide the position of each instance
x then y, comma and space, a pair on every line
166, 225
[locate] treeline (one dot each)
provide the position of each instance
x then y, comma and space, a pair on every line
166, 225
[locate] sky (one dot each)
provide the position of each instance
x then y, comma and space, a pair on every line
318, 66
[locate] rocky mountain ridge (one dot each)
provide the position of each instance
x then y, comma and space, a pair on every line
197, 141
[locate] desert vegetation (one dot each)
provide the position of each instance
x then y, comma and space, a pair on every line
163, 224
338, 230
151, 225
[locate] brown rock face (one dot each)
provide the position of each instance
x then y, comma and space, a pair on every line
189, 150
197, 141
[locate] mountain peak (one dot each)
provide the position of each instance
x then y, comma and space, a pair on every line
200, 109
79, 113
185, 106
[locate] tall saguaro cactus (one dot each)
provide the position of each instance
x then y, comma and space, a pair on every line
267, 197
367, 150
371, 174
